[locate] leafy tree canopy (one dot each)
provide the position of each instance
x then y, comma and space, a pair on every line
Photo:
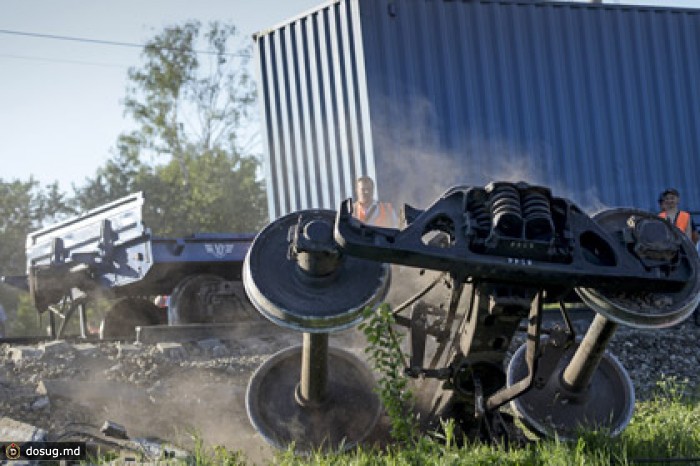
191, 102
24, 207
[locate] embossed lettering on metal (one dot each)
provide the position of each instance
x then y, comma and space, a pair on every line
219, 250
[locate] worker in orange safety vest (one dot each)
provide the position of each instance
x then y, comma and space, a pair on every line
669, 204
369, 211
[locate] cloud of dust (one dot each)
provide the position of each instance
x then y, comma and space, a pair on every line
416, 171
591, 203
416, 167
181, 404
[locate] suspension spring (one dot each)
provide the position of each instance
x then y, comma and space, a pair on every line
538, 216
481, 215
506, 212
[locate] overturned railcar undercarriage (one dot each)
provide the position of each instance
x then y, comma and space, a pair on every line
502, 249
108, 254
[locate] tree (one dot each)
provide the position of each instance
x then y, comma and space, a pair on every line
24, 207
18, 216
120, 176
192, 107
223, 195
53, 205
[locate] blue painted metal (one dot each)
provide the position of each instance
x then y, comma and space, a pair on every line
598, 101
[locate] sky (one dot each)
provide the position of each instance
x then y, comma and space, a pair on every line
60, 101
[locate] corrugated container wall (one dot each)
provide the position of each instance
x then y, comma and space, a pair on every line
599, 102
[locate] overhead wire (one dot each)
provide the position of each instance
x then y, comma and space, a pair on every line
75, 39
62, 60
104, 42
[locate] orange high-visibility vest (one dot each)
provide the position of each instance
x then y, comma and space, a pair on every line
379, 214
682, 219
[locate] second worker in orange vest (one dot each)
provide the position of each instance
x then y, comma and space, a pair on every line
369, 211
669, 203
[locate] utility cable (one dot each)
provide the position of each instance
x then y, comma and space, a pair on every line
75, 39
103, 42
58, 60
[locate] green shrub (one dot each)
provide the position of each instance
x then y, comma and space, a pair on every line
384, 352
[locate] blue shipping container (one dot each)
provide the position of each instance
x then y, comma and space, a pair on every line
600, 102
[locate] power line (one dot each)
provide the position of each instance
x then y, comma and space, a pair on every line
58, 60
75, 39
101, 42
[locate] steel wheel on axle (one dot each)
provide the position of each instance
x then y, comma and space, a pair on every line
345, 418
290, 298
208, 298
646, 309
550, 409
313, 396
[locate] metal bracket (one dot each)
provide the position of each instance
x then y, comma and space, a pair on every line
534, 326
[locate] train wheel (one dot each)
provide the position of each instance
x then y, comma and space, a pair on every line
646, 309
347, 415
292, 298
209, 298
313, 396
550, 409
128, 313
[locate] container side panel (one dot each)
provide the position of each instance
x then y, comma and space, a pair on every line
600, 102
328, 106
315, 118
286, 127
264, 102
306, 133
301, 168
314, 103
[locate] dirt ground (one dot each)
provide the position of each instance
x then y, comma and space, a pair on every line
173, 393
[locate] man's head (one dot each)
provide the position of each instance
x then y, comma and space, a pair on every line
670, 198
364, 190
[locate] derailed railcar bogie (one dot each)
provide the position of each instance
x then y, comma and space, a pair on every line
498, 252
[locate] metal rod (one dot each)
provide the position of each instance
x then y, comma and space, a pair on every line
314, 368
83, 320
532, 349
52, 325
584, 363
418, 295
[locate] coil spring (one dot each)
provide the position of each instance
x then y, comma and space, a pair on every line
538, 216
506, 212
481, 216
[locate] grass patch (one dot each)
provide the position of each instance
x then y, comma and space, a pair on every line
668, 425
663, 430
